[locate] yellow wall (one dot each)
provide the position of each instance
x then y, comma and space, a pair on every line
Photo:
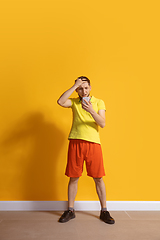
45, 45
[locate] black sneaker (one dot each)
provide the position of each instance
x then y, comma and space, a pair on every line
105, 217
66, 216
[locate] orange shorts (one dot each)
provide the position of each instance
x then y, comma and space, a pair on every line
80, 150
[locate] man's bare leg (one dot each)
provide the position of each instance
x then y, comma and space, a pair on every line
72, 191
101, 191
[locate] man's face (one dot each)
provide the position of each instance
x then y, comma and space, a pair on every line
84, 90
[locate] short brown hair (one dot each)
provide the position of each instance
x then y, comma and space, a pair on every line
83, 78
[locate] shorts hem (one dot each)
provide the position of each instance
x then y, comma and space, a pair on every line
89, 175
69, 175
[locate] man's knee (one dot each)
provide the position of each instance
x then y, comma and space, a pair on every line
74, 180
98, 180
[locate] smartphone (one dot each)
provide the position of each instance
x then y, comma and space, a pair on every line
86, 98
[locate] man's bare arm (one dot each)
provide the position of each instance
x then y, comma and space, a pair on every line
63, 100
99, 117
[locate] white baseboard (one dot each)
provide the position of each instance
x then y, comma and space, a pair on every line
79, 205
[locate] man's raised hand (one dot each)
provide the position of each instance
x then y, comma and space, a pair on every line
78, 82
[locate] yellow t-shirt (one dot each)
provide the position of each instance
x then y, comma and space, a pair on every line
84, 126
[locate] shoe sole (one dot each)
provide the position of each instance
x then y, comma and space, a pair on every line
107, 222
67, 220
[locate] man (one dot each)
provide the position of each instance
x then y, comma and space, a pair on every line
84, 144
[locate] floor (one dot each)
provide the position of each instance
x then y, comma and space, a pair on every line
86, 226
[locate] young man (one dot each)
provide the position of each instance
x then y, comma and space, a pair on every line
88, 114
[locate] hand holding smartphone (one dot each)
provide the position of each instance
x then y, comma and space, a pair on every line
85, 98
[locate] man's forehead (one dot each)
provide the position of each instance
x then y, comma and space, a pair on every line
84, 84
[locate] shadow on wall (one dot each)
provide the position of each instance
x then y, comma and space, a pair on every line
30, 153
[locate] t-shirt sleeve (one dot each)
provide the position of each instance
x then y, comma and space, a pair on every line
101, 105
71, 102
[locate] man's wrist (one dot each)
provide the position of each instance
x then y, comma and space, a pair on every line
92, 112
74, 86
